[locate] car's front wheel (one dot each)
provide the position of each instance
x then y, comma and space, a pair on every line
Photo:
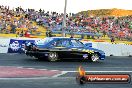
52, 56
94, 57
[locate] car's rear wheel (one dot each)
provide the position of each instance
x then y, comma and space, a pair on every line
52, 56
94, 57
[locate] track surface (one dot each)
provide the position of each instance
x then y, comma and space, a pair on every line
109, 65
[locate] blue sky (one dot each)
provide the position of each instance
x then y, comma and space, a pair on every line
72, 5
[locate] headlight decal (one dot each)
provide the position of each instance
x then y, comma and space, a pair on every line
88, 51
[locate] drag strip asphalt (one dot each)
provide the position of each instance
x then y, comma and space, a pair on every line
69, 69
110, 63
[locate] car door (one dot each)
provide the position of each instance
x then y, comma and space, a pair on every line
76, 46
68, 50
61, 46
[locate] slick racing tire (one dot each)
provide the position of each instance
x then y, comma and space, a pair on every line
94, 58
52, 56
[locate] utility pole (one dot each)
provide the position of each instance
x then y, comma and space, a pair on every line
64, 20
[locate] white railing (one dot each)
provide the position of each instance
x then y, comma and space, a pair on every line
120, 49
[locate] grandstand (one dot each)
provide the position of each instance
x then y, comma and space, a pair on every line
105, 25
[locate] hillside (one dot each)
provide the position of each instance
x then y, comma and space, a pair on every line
106, 12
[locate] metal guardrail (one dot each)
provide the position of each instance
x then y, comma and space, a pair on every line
78, 33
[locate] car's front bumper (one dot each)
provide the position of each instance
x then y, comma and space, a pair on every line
102, 56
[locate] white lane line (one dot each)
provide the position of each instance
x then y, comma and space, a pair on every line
54, 70
65, 72
29, 68
101, 71
42, 69
19, 67
24, 78
108, 67
37, 78
62, 73
78, 66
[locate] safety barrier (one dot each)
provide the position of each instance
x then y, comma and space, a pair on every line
15, 45
115, 49
4, 44
77, 33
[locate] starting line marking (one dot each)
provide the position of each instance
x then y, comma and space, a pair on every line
65, 72
101, 71
62, 73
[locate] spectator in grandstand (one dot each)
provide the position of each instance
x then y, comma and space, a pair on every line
13, 28
120, 27
22, 34
50, 33
112, 39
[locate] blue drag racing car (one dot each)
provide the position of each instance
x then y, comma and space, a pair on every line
57, 48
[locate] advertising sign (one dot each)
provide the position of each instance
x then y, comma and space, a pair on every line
17, 46
4, 44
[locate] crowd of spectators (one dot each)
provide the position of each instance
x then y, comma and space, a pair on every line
117, 27
113, 27
12, 20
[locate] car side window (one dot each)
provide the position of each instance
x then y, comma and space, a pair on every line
56, 43
61, 43
76, 43
66, 43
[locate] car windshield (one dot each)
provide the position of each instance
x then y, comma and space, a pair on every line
43, 41
77, 43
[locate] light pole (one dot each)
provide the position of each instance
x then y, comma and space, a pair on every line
64, 20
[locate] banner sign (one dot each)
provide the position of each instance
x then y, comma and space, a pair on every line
17, 46
4, 44
83, 77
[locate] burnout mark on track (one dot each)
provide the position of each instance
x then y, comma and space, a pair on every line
16, 72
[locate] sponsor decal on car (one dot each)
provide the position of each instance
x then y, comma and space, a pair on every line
89, 51
85, 56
